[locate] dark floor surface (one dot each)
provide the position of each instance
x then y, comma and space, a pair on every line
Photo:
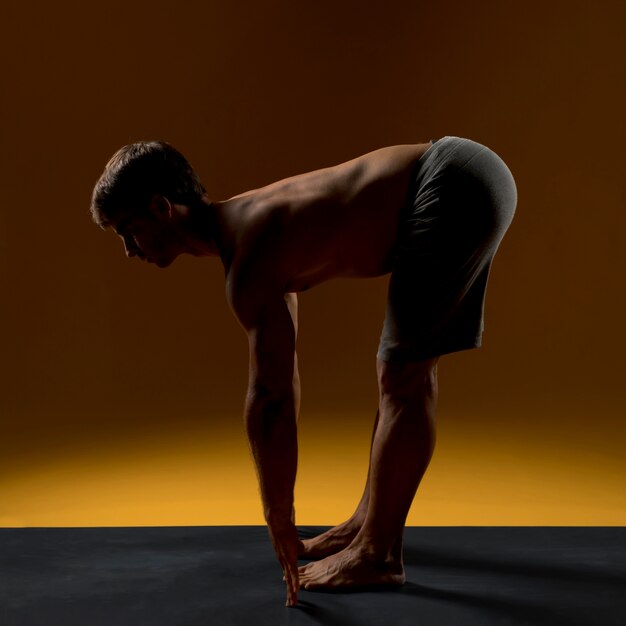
227, 575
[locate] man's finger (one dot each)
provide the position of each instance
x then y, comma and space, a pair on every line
290, 577
292, 595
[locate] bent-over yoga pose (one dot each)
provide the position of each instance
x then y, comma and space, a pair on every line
429, 214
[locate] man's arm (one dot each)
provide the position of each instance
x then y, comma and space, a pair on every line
272, 402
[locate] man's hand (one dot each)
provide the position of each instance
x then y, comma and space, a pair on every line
287, 546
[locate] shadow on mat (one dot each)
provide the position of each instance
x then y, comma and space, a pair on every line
325, 616
505, 607
416, 557
522, 611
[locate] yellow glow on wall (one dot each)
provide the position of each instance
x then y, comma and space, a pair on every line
191, 478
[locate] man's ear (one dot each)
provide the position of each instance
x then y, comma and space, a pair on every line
160, 206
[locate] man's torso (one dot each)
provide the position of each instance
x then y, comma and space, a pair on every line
340, 221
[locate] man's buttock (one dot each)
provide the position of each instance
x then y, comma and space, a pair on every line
462, 198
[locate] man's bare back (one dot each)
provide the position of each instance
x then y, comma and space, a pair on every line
340, 221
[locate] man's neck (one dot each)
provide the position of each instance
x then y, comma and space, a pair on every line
202, 230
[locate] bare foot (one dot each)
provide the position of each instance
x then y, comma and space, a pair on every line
331, 541
351, 568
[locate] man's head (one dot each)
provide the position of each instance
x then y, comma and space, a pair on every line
137, 194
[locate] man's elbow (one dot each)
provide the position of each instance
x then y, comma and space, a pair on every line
270, 397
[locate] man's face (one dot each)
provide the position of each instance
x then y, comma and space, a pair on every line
147, 238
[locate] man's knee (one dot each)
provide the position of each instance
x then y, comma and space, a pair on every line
407, 382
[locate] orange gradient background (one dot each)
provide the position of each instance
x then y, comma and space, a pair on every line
122, 385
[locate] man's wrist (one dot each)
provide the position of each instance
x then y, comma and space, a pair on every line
277, 518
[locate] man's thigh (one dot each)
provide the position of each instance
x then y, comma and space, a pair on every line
449, 237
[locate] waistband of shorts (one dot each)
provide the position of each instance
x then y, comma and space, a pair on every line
441, 142
443, 151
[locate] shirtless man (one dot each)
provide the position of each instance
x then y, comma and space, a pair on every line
430, 214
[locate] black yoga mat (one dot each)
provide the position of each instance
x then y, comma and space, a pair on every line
457, 576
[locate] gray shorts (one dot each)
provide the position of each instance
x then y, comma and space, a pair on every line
461, 200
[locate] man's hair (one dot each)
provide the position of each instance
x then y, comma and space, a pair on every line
136, 172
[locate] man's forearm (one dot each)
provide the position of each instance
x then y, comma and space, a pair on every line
272, 433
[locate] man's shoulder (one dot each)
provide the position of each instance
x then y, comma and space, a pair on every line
252, 291
257, 270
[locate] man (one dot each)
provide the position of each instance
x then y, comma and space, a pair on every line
430, 214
